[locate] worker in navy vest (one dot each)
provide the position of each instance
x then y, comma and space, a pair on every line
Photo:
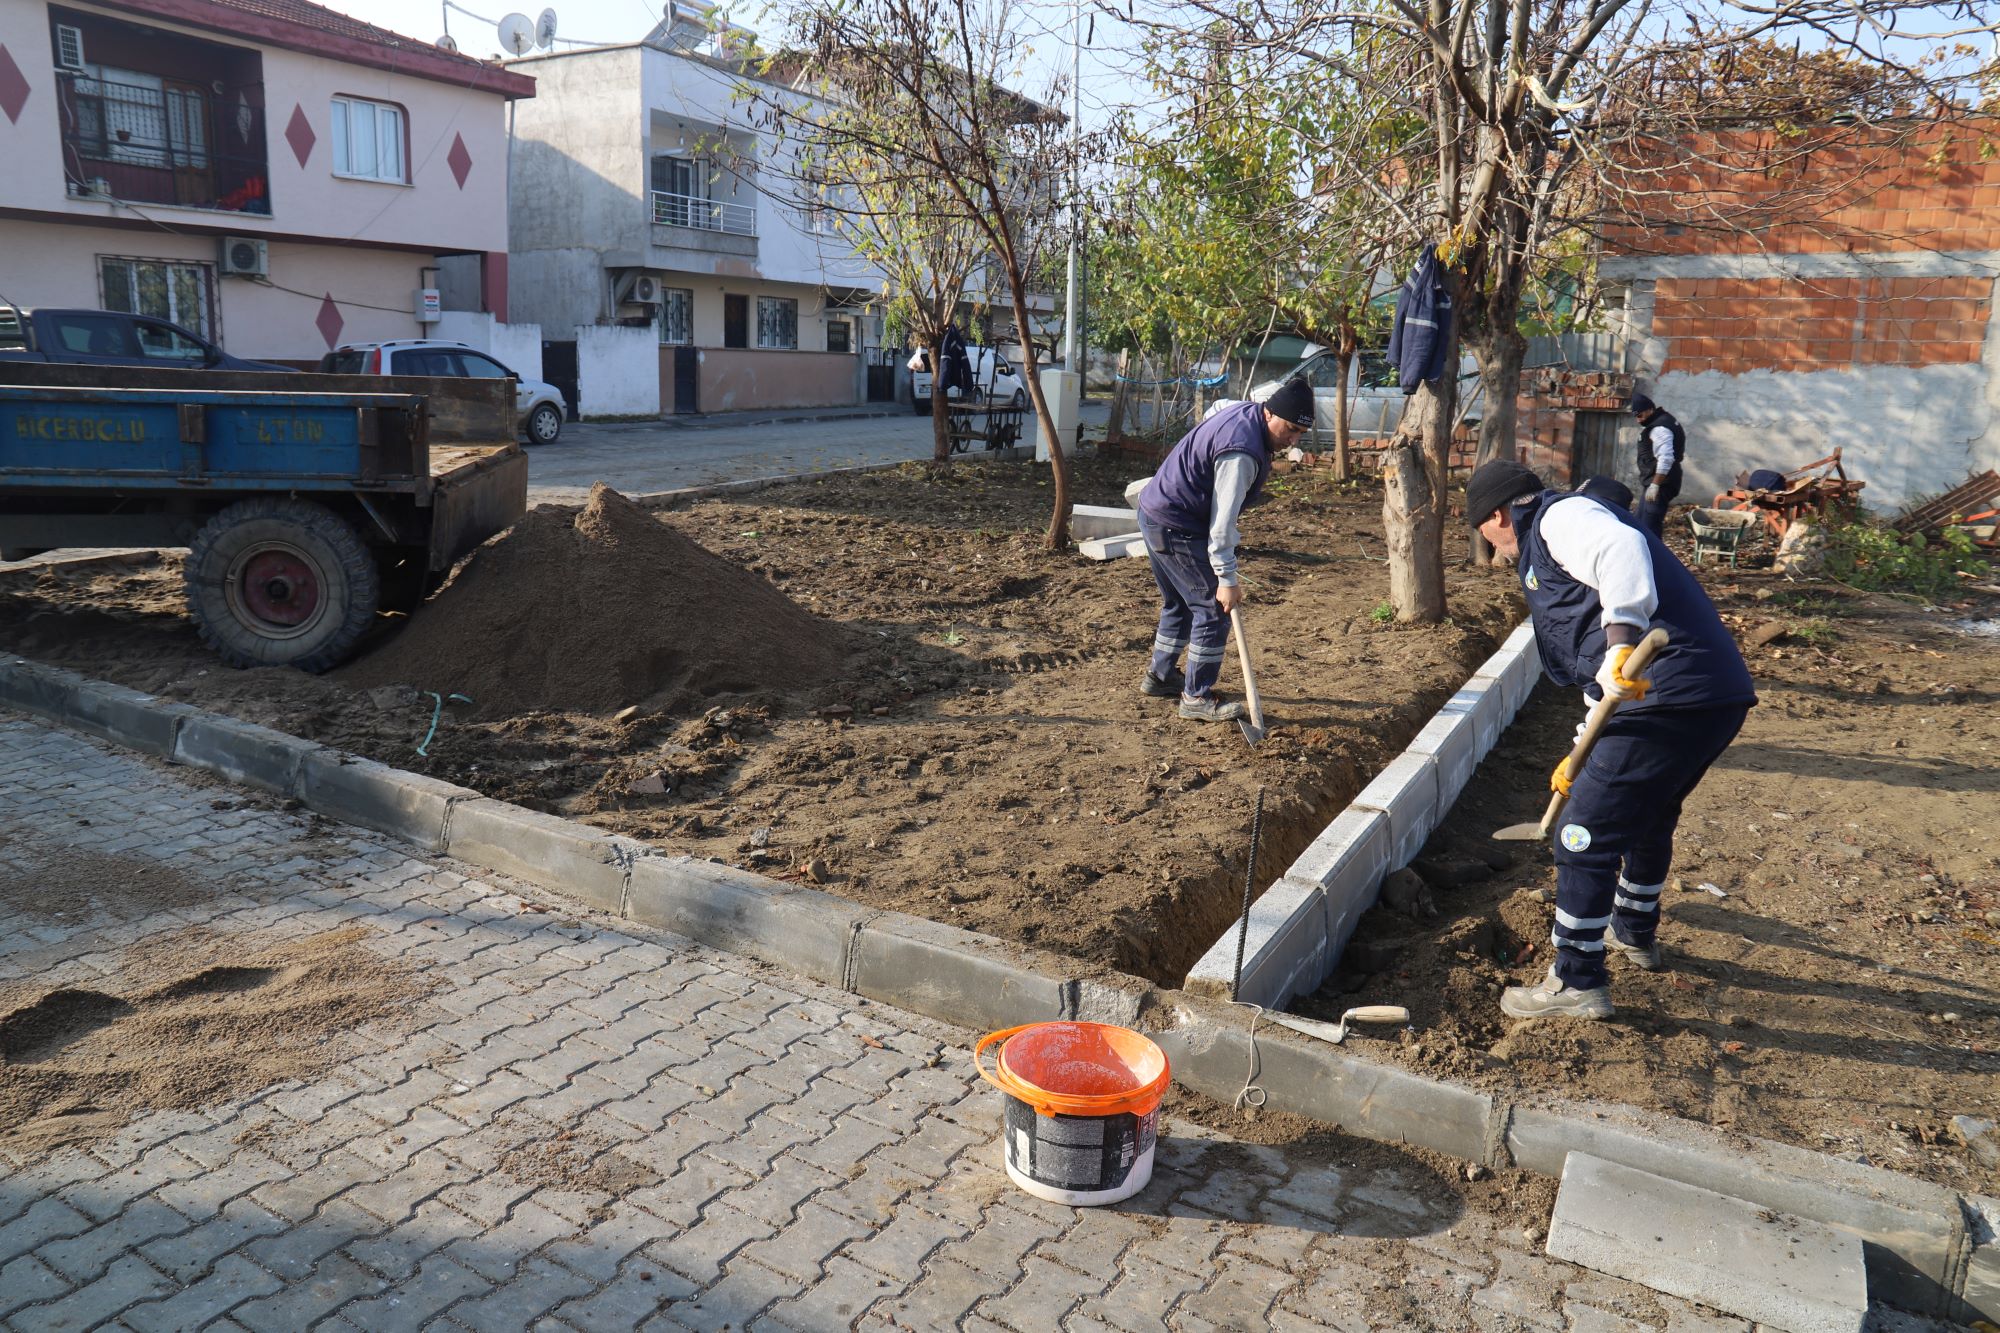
1596, 582
1662, 450
1187, 514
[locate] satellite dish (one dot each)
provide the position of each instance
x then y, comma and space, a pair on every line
447, 43
545, 29
517, 34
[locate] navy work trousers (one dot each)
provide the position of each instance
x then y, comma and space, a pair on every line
1190, 619
1616, 836
1653, 513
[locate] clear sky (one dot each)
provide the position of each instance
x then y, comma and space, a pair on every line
1044, 25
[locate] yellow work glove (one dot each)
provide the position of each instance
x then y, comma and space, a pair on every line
1611, 677
1560, 779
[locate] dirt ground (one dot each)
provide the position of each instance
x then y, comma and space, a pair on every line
1842, 991
981, 758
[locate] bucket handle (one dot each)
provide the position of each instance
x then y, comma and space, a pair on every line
1015, 1091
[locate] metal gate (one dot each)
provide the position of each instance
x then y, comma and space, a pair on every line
687, 380
881, 375
559, 369
1602, 449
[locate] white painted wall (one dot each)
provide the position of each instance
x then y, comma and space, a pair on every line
515, 346
617, 371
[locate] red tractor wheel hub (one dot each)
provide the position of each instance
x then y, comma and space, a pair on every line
279, 588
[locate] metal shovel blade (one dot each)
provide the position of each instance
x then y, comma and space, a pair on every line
1530, 832
1251, 731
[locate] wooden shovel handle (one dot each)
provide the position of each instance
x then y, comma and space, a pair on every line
1600, 714
1377, 1013
1250, 700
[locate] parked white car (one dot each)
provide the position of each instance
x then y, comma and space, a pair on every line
1374, 399
994, 376
539, 406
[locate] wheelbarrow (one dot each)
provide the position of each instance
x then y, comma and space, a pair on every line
1719, 532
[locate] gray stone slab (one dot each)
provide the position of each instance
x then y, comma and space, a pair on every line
388, 800
1981, 1297
800, 929
1113, 548
1776, 1269
1210, 1052
1406, 790
34, 688
1910, 1230
242, 752
1450, 738
125, 717
955, 975
1132, 490
1284, 953
1347, 861
557, 853
1087, 521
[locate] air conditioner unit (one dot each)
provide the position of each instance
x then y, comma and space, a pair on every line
638, 289
245, 257
69, 47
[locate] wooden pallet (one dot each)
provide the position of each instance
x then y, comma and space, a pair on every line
1977, 494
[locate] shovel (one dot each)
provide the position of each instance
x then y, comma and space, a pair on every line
1253, 723
1337, 1032
1593, 727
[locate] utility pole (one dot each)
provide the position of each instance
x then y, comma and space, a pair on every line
1073, 288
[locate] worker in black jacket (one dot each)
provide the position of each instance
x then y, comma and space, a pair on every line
1662, 449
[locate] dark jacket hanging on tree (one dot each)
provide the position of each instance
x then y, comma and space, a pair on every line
1422, 331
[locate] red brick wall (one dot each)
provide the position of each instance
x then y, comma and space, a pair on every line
1741, 324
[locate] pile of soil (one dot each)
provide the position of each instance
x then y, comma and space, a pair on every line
1832, 926
77, 1065
601, 609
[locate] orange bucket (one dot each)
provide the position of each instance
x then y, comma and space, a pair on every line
1083, 1108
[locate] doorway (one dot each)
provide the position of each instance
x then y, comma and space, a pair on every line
735, 321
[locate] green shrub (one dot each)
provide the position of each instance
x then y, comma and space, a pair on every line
1879, 558
1383, 613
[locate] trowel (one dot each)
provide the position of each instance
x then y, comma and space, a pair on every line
1337, 1032
1593, 727
1252, 721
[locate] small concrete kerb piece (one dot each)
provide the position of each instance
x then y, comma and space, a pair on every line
1778, 1270
1113, 548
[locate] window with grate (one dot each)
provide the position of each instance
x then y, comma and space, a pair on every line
838, 337
676, 316
777, 322
164, 289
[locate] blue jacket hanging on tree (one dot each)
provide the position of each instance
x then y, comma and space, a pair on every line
1422, 331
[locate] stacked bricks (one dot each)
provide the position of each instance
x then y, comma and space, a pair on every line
1836, 190
1546, 412
1804, 324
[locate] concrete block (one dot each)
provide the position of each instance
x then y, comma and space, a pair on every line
1101, 521
1450, 739
557, 853
1284, 954
1910, 1230
1982, 1269
125, 717
1314, 1078
388, 800
1113, 548
1775, 1269
1347, 860
1406, 791
1483, 700
242, 752
954, 975
33, 688
1132, 489
802, 930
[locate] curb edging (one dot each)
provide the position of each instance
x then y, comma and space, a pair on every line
1928, 1248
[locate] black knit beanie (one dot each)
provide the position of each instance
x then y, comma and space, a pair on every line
1494, 484
1292, 401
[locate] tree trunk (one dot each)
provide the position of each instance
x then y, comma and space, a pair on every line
1343, 359
1411, 516
940, 413
1499, 359
1058, 532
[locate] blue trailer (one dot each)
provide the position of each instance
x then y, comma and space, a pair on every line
305, 511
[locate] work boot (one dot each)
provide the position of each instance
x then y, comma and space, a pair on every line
1552, 999
1167, 687
1208, 708
1645, 957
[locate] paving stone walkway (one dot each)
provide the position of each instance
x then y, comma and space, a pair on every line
740, 1149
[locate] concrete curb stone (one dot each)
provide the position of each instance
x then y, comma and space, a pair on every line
242, 752
543, 849
952, 974
803, 930
1289, 932
1406, 792
375, 796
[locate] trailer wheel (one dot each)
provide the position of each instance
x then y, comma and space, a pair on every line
281, 583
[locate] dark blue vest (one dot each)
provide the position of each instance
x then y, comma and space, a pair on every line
1181, 494
1699, 667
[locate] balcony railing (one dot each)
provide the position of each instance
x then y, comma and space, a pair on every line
685, 210
160, 145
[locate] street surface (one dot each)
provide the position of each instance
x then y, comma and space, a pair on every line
589, 1128
643, 457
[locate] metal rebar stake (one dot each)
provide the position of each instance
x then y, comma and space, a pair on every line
1249, 887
